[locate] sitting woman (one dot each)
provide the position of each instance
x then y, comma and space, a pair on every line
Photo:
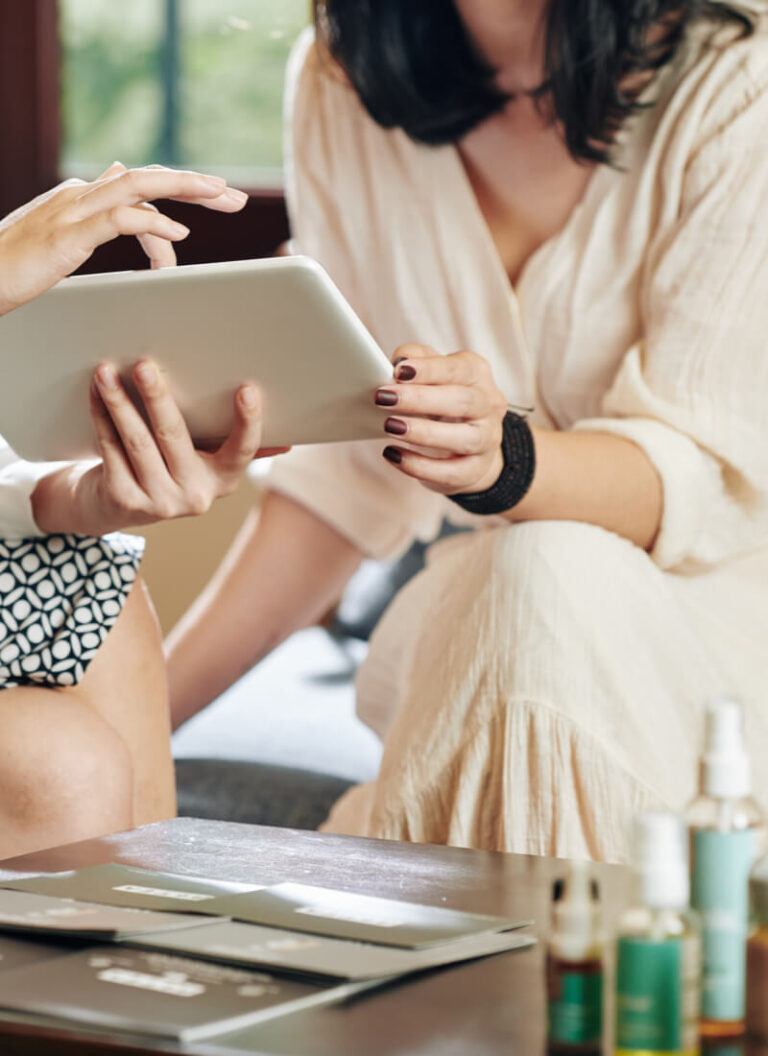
84, 724
572, 191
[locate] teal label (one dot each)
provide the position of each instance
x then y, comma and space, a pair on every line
721, 865
575, 1006
649, 995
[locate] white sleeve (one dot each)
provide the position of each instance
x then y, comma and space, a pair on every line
693, 393
18, 480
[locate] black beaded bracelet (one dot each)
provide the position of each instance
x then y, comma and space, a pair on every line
519, 454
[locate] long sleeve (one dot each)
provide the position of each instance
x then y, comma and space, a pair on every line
693, 392
17, 482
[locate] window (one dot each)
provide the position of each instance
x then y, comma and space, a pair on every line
190, 83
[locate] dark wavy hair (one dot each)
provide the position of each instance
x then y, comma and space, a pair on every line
414, 67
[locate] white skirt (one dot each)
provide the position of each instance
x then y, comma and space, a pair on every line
537, 684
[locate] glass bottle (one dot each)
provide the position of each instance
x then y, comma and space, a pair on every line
658, 948
727, 830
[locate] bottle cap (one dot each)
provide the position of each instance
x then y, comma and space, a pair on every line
725, 769
660, 860
576, 915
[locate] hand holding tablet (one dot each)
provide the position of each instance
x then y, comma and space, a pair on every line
147, 472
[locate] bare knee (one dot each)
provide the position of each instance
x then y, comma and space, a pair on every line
64, 773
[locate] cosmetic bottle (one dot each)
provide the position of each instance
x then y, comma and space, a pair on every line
575, 965
658, 949
727, 828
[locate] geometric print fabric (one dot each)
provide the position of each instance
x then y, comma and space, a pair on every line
59, 597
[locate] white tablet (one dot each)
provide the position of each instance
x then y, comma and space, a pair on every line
210, 327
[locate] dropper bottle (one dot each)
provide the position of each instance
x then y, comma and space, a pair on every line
727, 830
658, 948
575, 965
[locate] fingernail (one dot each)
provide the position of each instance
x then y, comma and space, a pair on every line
180, 230
248, 397
146, 372
106, 377
392, 454
407, 373
236, 196
396, 426
215, 181
386, 398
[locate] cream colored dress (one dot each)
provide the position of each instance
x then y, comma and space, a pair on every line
539, 682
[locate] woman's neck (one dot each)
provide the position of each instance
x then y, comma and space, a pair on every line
510, 36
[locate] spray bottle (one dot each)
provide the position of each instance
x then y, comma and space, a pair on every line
658, 954
727, 828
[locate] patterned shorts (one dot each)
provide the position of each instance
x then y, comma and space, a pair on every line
59, 597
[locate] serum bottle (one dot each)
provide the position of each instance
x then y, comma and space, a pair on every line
575, 965
727, 828
658, 949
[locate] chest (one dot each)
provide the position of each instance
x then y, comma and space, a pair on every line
525, 182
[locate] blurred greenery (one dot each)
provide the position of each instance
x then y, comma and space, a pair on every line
232, 60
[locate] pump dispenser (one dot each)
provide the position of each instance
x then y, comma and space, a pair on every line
658, 954
575, 965
727, 831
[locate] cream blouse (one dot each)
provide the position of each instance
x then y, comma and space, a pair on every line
645, 316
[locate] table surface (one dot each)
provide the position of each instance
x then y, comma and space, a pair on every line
491, 1007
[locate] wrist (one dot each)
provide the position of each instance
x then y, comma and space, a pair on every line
490, 477
513, 480
59, 506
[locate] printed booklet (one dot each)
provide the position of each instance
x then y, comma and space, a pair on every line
155, 994
126, 885
22, 911
296, 907
317, 955
364, 918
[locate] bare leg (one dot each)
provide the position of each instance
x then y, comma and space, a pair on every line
93, 759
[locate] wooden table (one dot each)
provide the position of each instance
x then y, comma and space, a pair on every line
491, 1007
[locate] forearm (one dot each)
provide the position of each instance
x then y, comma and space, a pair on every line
597, 478
284, 571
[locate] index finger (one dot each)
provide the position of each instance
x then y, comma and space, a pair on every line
145, 185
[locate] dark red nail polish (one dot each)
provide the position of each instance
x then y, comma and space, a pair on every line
392, 454
396, 426
406, 373
386, 398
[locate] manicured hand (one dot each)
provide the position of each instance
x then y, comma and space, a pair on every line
449, 413
50, 237
149, 472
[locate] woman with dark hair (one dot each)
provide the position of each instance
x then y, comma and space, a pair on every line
574, 193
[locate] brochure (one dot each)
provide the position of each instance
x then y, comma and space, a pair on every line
16, 953
364, 918
126, 885
296, 907
316, 955
39, 914
156, 994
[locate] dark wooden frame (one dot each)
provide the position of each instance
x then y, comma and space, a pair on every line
30, 138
